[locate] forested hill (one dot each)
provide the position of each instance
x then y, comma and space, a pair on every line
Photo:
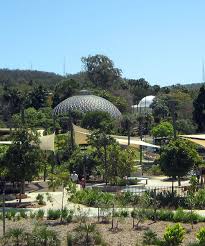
14, 77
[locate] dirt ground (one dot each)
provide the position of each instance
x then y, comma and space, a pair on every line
125, 236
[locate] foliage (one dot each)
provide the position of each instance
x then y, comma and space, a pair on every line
100, 70
53, 214
98, 120
14, 236
41, 118
139, 215
41, 235
164, 129
150, 238
178, 157
40, 199
185, 126
155, 170
199, 107
87, 234
91, 198
64, 89
200, 236
23, 157
174, 235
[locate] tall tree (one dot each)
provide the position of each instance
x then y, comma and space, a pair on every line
199, 110
99, 139
101, 70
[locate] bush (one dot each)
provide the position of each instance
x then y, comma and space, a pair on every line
199, 199
200, 236
92, 198
165, 215
53, 214
40, 199
150, 238
67, 215
174, 235
186, 217
155, 170
23, 214
40, 214
32, 215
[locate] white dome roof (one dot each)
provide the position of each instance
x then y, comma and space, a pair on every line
146, 102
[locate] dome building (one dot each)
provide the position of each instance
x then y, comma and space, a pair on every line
86, 103
144, 105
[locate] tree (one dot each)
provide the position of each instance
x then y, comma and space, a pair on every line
185, 126
199, 110
178, 158
164, 129
101, 70
98, 120
23, 157
99, 139
65, 89
38, 97
35, 118
160, 109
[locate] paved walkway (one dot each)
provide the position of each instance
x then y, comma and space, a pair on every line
57, 198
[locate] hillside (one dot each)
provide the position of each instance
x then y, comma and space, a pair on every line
15, 77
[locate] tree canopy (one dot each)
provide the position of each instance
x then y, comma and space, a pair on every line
100, 70
178, 158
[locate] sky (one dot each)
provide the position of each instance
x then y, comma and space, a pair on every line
162, 41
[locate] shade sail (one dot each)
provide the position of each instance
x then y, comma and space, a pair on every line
81, 137
46, 142
197, 139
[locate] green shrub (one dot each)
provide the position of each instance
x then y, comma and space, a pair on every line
40, 214
32, 215
150, 238
23, 214
174, 235
53, 214
92, 198
200, 236
10, 214
165, 215
186, 217
155, 170
67, 215
40, 199
199, 199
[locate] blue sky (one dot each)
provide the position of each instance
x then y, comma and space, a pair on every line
160, 40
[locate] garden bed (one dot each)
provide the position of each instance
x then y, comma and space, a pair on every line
126, 236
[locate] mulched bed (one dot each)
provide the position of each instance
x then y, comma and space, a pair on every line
125, 235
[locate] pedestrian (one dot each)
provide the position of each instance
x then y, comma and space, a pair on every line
74, 177
82, 183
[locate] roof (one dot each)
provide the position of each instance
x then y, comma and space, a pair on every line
81, 137
146, 102
87, 103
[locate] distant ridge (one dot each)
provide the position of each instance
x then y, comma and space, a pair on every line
17, 76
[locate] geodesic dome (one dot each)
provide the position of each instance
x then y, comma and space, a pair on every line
146, 102
86, 103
